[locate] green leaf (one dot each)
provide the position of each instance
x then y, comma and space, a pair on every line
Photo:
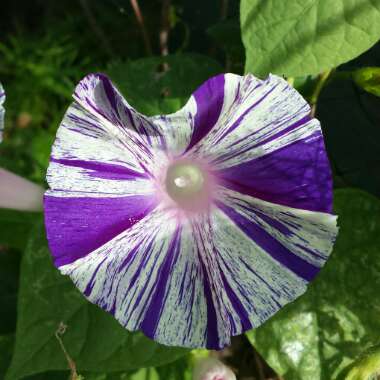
368, 78
15, 227
6, 348
295, 38
9, 279
93, 339
322, 332
350, 119
367, 366
159, 85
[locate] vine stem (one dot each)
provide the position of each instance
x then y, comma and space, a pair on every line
165, 28
322, 79
164, 32
140, 21
59, 332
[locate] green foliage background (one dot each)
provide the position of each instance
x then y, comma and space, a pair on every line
333, 330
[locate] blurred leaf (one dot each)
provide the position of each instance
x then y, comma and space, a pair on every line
228, 37
6, 349
295, 38
368, 78
323, 331
50, 375
39, 149
159, 85
94, 339
350, 119
9, 279
15, 227
367, 366
180, 369
145, 374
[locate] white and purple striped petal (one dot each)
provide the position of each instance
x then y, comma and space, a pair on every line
2, 111
236, 234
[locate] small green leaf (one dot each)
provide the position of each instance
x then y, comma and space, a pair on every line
94, 339
295, 38
322, 332
367, 366
368, 78
160, 85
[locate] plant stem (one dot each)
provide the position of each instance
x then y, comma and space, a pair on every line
224, 10
259, 366
96, 28
165, 27
164, 32
60, 331
140, 21
317, 90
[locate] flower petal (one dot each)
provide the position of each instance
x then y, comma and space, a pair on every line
77, 224
91, 156
265, 144
185, 128
258, 116
197, 282
296, 175
96, 94
100, 179
2, 111
135, 276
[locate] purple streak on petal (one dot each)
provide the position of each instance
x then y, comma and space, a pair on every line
271, 246
312, 252
237, 305
212, 319
77, 226
141, 268
274, 223
102, 170
235, 153
240, 119
297, 175
90, 285
103, 98
277, 135
110, 92
159, 294
252, 270
209, 98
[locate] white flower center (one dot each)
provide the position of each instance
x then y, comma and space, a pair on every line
186, 183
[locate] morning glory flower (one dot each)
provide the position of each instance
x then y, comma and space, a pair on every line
2, 111
17, 192
212, 369
194, 226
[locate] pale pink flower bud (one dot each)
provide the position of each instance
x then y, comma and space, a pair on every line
212, 369
19, 193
